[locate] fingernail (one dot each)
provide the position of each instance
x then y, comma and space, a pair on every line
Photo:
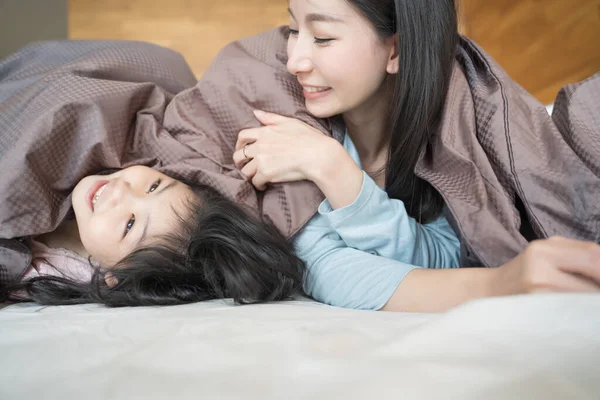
259, 113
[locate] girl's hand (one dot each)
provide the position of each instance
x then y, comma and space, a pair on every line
552, 265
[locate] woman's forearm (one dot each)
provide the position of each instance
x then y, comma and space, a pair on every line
431, 290
337, 176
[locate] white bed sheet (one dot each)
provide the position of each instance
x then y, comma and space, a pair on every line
526, 347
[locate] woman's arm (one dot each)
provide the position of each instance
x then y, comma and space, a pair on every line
347, 277
357, 209
342, 276
551, 265
379, 225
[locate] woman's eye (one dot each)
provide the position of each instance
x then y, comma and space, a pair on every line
294, 32
154, 186
130, 224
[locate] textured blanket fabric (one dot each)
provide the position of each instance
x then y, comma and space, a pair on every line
507, 170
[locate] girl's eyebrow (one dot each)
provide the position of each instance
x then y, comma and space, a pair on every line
313, 17
161, 191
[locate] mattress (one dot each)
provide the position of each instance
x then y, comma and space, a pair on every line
521, 347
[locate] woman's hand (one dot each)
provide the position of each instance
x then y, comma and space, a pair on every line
549, 265
286, 150
283, 150
552, 265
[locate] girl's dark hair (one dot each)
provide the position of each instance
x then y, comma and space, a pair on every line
220, 251
427, 41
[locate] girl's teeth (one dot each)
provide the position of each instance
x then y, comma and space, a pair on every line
97, 195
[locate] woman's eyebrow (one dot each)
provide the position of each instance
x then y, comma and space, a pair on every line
313, 17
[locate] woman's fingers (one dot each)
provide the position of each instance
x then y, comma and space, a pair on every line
259, 181
250, 169
576, 257
555, 265
560, 281
245, 154
240, 157
247, 136
267, 118
252, 173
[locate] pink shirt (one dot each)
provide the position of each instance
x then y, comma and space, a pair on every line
57, 262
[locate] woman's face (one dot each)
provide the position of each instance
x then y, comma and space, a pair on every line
120, 212
337, 56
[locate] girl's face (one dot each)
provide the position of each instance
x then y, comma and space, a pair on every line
120, 212
337, 56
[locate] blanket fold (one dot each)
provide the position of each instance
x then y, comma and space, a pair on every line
508, 171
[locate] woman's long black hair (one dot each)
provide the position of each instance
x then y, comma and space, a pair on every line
427, 40
220, 251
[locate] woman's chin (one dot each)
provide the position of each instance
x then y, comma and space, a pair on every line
320, 111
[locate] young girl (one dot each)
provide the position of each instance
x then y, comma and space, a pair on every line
384, 66
139, 237
72, 109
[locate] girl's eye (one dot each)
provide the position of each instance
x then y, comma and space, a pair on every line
154, 186
293, 32
130, 224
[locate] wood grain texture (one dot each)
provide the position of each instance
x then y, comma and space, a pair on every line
543, 44
198, 29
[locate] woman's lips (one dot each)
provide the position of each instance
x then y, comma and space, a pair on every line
312, 94
92, 192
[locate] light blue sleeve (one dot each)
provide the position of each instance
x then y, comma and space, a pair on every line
358, 255
342, 276
376, 224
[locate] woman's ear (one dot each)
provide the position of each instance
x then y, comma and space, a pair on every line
111, 280
393, 64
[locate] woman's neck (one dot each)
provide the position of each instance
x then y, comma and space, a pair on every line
66, 236
367, 127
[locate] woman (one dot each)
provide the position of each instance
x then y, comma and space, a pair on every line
384, 67
139, 237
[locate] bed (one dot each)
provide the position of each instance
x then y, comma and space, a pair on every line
522, 347
526, 347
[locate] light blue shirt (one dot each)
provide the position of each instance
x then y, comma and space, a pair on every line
357, 255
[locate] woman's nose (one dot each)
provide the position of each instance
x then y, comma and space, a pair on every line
299, 57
